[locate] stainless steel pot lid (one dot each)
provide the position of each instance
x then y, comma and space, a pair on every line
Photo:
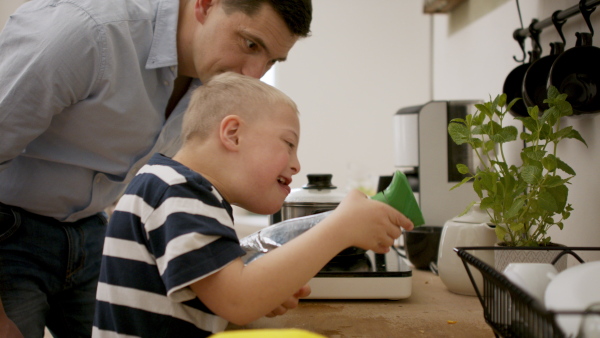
319, 189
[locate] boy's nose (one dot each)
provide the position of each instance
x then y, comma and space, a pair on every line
295, 165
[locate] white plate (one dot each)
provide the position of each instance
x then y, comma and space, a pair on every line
574, 289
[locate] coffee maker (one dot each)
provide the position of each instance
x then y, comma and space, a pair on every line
424, 151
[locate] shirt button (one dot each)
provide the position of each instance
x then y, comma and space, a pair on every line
173, 68
166, 83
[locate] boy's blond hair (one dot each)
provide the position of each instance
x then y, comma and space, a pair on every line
227, 94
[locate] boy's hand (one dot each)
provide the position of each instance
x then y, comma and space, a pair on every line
369, 224
290, 303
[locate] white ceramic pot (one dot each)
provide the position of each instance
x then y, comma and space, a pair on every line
471, 229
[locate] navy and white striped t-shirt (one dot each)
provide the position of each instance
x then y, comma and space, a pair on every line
169, 230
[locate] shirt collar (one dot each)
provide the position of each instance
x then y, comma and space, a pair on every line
163, 52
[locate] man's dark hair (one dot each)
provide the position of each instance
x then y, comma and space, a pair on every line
297, 14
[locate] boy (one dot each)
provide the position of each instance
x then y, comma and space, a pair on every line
67, 106
171, 265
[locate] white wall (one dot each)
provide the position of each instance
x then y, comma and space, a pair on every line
362, 63
6, 8
473, 54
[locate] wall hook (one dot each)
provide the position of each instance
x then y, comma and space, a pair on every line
558, 25
586, 12
521, 40
535, 41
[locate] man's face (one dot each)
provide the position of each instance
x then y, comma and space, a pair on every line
239, 43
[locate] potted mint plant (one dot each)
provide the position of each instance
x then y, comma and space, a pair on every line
522, 200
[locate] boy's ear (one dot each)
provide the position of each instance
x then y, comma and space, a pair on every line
229, 132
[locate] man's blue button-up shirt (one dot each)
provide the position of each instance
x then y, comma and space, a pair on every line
83, 89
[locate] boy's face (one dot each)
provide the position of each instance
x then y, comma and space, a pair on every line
239, 43
269, 148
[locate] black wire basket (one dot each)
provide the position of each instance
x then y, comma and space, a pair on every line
507, 308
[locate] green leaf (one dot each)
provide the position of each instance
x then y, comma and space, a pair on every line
574, 134
534, 153
458, 132
478, 119
488, 146
478, 129
467, 208
500, 232
545, 132
559, 135
492, 128
501, 100
458, 120
551, 116
549, 162
465, 180
463, 169
552, 93
562, 106
512, 103
560, 194
534, 112
476, 143
486, 203
547, 202
531, 174
554, 181
526, 137
517, 227
483, 108
515, 208
509, 133
488, 180
564, 167
477, 187
529, 123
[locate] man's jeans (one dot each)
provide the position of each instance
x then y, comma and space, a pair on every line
49, 272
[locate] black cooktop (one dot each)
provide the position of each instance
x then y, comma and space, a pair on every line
367, 264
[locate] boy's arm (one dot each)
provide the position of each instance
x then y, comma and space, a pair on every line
291, 303
242, 294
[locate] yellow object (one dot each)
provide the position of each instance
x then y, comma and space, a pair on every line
268, 333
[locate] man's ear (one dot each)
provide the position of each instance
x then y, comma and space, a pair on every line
229, 132
201, 9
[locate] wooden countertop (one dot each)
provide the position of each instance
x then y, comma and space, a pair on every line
430, 311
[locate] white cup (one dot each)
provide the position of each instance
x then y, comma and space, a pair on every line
533, 278
590, 324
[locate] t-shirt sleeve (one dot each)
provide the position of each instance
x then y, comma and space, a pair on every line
191, 237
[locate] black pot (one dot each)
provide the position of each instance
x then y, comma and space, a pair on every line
422, 245
513, 88
536, 78
577, 74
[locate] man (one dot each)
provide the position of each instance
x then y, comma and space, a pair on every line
90, 90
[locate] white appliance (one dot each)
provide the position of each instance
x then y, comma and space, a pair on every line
368, 276
424, 151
